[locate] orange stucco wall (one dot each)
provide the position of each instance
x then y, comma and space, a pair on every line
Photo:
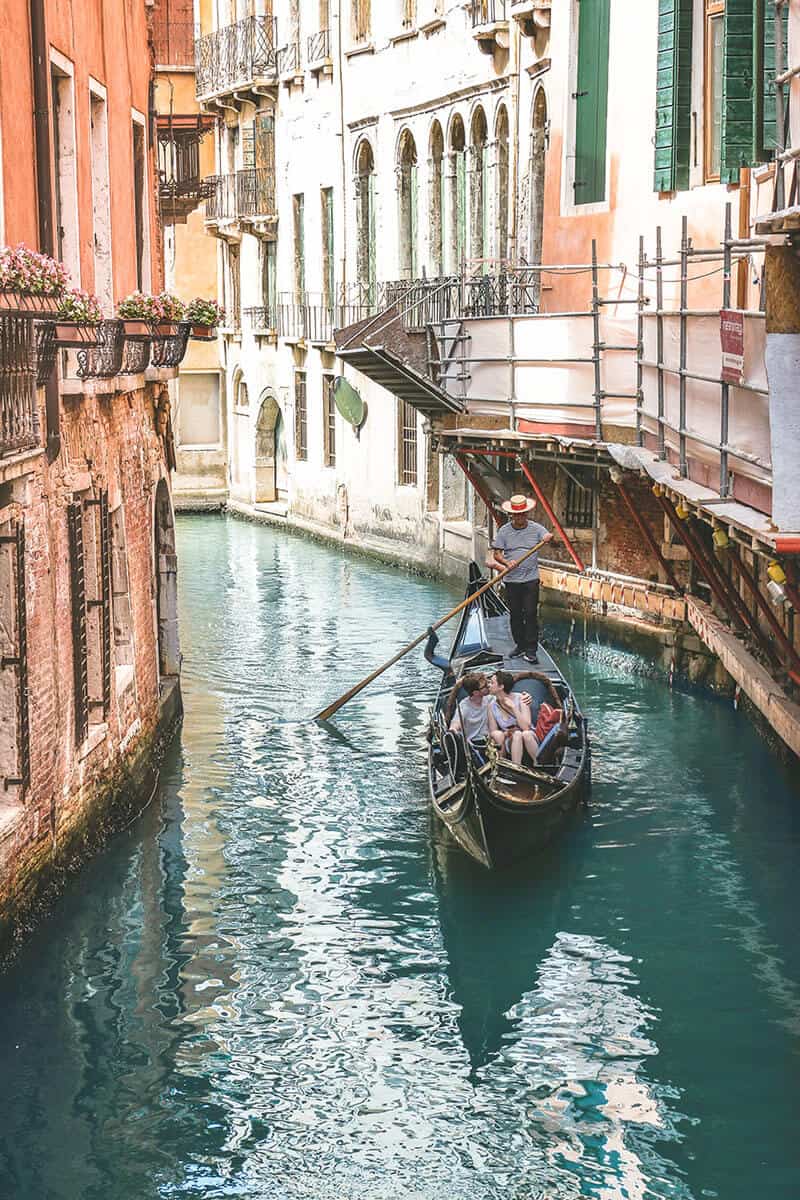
108, 41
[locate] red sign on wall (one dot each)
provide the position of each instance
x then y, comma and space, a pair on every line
731, 328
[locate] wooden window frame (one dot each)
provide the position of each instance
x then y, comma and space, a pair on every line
328, 422
17, 661
407, 445
301, 416
713, 11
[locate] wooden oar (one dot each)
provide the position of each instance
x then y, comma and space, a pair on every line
328, 712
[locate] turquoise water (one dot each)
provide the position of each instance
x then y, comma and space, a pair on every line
279, 983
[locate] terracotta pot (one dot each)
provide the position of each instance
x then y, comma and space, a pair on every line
137, 330
26, 302
166, 329
71, 335
204, 333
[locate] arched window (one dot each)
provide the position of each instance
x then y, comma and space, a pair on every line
436, 201
456, 195
240, 396
536, 182
407, 204
501, 183
365, 220
478, 187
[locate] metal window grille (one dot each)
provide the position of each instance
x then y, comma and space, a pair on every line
18, 660
329, 420
19, 425
300, 416
408, 444
80, 658
579, 507
105, 596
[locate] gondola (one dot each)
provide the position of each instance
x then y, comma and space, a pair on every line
496, 811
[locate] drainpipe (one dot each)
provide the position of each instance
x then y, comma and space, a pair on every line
44, 189
340, 65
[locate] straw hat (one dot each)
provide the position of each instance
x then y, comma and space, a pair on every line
518, 504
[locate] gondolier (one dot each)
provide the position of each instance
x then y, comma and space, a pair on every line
522, 585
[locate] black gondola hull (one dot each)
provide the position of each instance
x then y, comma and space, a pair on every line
493, 826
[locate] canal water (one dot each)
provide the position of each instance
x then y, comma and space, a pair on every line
280, 983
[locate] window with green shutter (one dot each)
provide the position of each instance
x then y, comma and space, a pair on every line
738, 90
591, 102
673, 95
766, 71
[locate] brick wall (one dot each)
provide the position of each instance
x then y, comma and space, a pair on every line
109, 443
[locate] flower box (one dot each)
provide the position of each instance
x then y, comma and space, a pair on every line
137, 331
27, 302
71, 335
166, 329
204, 333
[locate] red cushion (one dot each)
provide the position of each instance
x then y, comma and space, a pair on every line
547, 718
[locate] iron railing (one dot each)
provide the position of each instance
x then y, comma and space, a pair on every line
260, 317
318, 46
289, 59
244, 196
510, 291
236, 56
169, 351
173, 41
19, 418
487, 12
314, 317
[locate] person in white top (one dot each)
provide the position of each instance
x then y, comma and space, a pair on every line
509, 720
471, 712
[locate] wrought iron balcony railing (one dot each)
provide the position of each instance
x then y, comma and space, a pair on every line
236, 56
245, 196
314, 317
19, 419
488, 12
318, 46
289, 59
259, 318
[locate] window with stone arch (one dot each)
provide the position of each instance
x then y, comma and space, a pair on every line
407, 192
241, 398
478, 191
436, 200
366, 261
501, 183
536, 182
456, 194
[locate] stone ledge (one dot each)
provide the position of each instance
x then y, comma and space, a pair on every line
782, 714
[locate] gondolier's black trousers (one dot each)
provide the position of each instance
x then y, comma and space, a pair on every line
523, 605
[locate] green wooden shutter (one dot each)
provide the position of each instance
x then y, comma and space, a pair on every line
673, 95
591, 102
765, 73
738, 90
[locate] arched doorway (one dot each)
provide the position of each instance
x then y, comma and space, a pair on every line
407, 204
478, 189
537, 182
457, 196
166, 571
271, 457
366, 259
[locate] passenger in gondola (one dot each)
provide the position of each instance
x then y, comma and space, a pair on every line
471, 712
509, 719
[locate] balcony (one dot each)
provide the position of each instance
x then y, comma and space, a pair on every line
19, 417
261, 321
318, 50
290, 71
532, 16
490, 25
313, 317
244, 198
238, 58
181, 189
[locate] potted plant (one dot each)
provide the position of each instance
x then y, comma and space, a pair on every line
204, 316
138, 314
170, 311
77, 318
30, 282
